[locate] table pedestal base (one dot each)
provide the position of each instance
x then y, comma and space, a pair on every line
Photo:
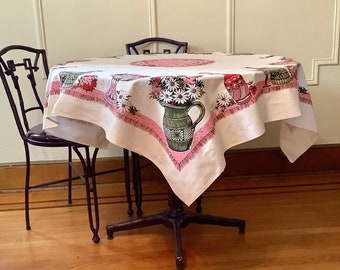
176, 218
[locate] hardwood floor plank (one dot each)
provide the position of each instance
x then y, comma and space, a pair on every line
289, 227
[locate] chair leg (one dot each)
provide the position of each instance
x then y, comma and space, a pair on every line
199, 204
89, 178
70, 175
93, 187
27, 186
137, 180
127, 181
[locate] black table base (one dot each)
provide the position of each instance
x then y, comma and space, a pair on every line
175, 217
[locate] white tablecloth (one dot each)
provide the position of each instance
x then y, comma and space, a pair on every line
153, 104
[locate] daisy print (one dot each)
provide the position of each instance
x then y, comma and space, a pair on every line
176, 90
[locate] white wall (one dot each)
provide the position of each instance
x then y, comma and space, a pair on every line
307, 30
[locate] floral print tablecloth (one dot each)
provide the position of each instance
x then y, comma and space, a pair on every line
181, 111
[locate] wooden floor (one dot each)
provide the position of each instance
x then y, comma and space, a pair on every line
292, 223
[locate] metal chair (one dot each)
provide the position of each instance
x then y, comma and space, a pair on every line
20, 84
160, 45
143, 46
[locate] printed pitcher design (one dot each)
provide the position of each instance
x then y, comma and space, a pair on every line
178, 126
178, 95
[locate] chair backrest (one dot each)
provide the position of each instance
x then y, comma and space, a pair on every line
20, 67
143, 46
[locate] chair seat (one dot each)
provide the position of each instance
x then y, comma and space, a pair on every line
37, 136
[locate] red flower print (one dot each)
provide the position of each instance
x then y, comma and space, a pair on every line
156, 80
88, 82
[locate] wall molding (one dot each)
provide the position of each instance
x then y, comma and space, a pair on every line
152, 18
230, 26
316, 62
39, 20
334, 58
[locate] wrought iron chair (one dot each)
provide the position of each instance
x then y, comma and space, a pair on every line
143, 47
19, 78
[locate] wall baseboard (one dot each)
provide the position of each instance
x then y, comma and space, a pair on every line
240, 163
320, 158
